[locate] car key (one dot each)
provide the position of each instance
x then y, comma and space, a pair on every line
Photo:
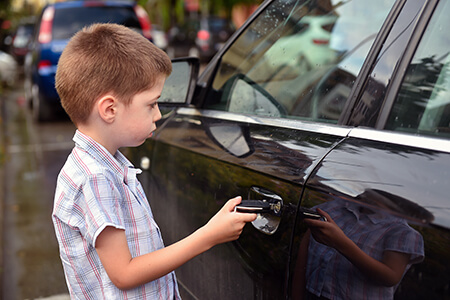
253, 206
309, 213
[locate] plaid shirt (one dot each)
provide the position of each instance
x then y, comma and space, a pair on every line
329, 274
94, 190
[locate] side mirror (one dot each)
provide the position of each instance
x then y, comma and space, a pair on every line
180, 85
242, 95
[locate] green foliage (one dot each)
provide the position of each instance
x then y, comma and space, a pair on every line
170, 12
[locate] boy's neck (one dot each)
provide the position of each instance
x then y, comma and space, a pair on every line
99, 136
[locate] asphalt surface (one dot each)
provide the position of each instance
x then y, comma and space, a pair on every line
31, 156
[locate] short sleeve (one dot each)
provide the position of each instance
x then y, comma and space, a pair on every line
405, 239
99, 208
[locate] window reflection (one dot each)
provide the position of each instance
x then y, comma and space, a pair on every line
305, 54
423, 102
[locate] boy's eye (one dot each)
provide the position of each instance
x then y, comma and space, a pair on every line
153, 105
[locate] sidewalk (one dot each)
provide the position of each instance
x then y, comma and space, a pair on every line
2, 180
30, 267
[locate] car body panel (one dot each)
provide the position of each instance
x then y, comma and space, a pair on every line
233, 136
209, 174
378, 174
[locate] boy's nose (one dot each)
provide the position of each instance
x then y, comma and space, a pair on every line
158, 115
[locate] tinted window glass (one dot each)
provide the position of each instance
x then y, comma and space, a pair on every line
217, 24
299, 59
423, 102
68, 21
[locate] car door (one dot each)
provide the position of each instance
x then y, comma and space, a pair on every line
257, 127
391, 170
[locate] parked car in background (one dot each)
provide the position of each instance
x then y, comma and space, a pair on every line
199, 37
363, 133
159, 36
22, 37
8, 69
57, 23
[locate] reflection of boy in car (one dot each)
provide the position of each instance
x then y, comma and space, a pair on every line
109, 79
356, 254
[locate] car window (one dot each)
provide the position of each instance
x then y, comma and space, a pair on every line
216, 25
423, 103
68, 21
299, 59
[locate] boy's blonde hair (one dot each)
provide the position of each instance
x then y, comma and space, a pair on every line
106, 58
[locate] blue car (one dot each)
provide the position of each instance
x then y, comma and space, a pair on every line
57, 23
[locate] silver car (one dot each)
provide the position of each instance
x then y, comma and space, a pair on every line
8, 69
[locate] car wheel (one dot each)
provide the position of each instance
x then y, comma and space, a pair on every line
40, 109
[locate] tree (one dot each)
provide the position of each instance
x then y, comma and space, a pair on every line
170, 12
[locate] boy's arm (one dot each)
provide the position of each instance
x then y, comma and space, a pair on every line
388, 271
127, 272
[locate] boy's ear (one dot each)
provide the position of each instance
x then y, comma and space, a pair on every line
107, 108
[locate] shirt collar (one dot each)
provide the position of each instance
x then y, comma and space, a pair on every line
375, 217
118, 162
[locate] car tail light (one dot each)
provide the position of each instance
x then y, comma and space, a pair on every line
45, 31
45, 68
44, 64
144, 21
320, 42
203, 35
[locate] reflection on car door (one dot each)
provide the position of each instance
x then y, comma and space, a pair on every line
237, 144
366, 177
215, 156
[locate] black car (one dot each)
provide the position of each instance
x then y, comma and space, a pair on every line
199, 37
342, 105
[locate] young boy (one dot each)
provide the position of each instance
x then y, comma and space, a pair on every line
109, 79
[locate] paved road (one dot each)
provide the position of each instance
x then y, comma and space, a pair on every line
30, 161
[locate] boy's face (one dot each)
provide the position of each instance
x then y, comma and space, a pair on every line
136, 122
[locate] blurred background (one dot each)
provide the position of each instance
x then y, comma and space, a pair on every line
170, 20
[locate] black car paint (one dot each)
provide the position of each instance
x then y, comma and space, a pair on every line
382, 175
192, 174
208, 172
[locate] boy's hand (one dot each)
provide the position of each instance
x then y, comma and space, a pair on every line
227, 225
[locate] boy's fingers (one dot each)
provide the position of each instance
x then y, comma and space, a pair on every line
232, 203
244, 217
249, 217
323, 213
